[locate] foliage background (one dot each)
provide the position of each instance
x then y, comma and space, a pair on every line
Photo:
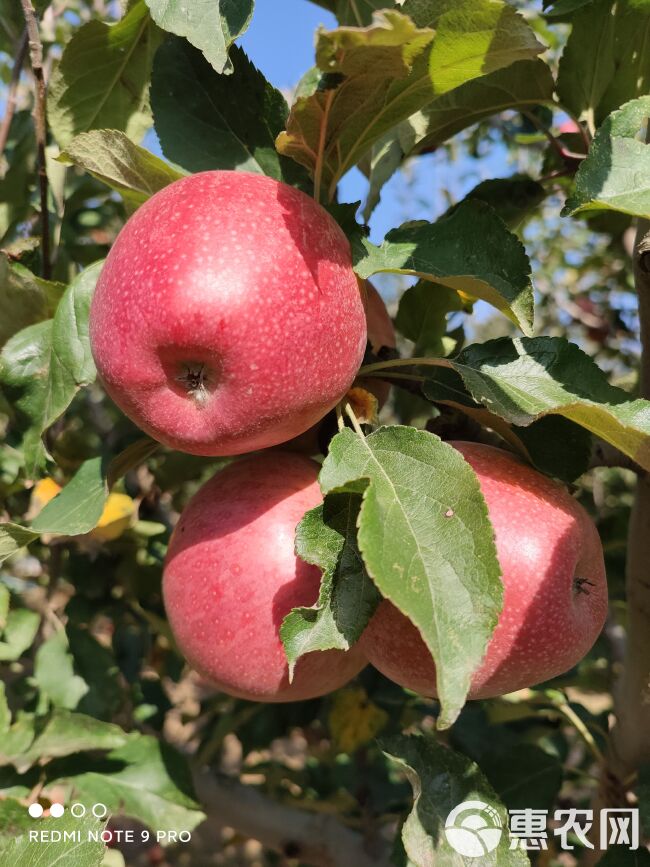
96, 703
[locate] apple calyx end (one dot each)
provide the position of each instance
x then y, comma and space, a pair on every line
581, 585
197, 381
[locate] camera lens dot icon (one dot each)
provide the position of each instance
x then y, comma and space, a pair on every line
57, 810
473, 829
35, 810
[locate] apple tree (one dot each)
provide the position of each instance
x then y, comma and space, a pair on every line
289, 574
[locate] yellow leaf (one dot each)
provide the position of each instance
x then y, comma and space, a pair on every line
354, 720
364, 404
115, 519
42, 492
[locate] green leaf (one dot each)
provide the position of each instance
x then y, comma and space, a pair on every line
616, 174
74, 847
209, 25
19, 633
525, 83
77, 508
16, 183
525, 379
5, 713
44, 365
25, 299
12, 538
111, 157
524, 775
5, 599
208, 121
536, 443
151, 783
16, 741
97, 665
102, 79
66, 734
54, 673
513, 199
592, 82
422, 317
327, 537
427, 543
442, 780
565, 7
358, 13
380, 75
458, 251
14, 820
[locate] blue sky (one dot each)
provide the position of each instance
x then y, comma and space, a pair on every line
280, 41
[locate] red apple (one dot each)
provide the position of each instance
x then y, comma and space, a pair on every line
231, 576
227, 317
555, 590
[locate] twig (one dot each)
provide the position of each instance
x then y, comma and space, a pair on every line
572, 717
355, 421
320, 840
40, 124
630, 745
403, 362
12, 92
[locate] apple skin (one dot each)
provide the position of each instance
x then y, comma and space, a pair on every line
231, 576
544, 540
227, 317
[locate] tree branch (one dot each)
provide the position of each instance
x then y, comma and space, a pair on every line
630, 745
12, 92
40, 124
317, 839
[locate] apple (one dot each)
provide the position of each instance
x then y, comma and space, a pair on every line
555, 590
231, 576
227, 317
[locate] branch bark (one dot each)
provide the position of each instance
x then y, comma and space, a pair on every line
12, 92
630, 744
317, 839
40, 124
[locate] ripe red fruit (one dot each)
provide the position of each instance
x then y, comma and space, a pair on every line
555, 590
227, 317
231, 576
